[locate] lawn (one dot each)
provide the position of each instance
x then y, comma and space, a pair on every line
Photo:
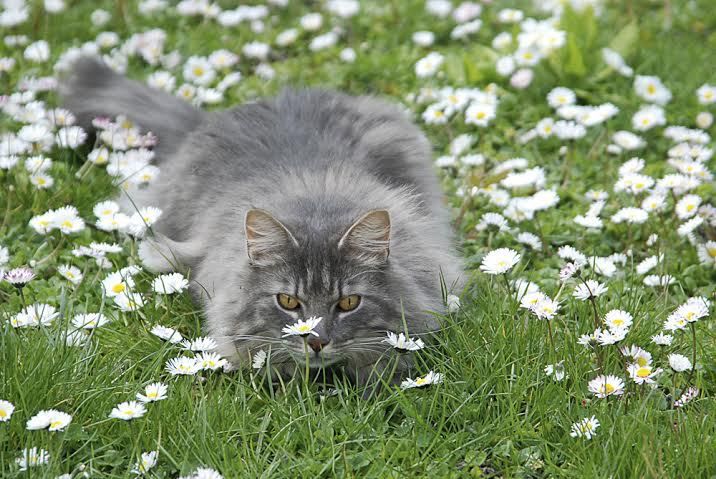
613, 231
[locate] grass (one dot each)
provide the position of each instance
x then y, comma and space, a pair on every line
497, 413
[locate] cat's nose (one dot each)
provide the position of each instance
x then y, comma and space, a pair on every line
317, 343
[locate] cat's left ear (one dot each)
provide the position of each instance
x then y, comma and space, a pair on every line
369, 237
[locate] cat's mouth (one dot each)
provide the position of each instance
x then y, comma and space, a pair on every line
315, 359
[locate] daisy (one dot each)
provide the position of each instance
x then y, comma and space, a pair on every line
428, 65
210, 361
570, 253
529, 239
128, 301
662, 339
687, 206
143, 219
167, 334
707, 253
183, 365
403, 343
589, 289
693, 310
648, 117
655, 280
153, 392
616, 318
679, 363
170, 283
302, 328
128, 410
453, 303
494, 220
147, 461
38, 314
428, 379
479, 114
99, 156
499, 261
706, 94
651, 89
199, 71
556, 371
51, 420
32, 458
199, 344
561, 96
586, 428
642, 374
611, 336
19, 277
603, 386
89, 320
640, 356
6, 410
71, 273
546, 308
117, 284
259, 359
687, 397
687, 228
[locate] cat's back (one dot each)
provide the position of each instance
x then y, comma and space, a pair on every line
315, 131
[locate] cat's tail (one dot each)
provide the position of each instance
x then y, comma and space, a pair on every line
93, 90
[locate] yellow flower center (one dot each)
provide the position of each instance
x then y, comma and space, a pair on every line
67, 224
304, 328
480, 115
641, 361
421, 381
55, 424
3, 413
690, 207
118, 288
618, 322
152, 394
643, 372
651, 89
711, 252
608, 388
41, 181
198, 71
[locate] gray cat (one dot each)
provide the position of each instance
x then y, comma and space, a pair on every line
313, 203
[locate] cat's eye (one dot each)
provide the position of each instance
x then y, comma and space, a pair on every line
349, 303
288, 302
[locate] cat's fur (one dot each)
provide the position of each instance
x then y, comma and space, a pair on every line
318, 170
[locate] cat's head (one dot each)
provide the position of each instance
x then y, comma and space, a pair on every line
339, 271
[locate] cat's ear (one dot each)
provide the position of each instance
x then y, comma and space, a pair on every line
266, 237
369, 237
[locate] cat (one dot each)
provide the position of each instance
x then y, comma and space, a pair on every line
310, 204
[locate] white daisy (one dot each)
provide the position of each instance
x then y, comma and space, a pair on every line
128, 410
403, 343
302, 327
603, 386
428, 379
170, 283
153, 392
6, 410
183, 365
499, 261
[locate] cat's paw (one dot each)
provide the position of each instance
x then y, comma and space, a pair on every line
157, 257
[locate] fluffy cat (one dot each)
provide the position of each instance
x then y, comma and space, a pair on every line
313, 203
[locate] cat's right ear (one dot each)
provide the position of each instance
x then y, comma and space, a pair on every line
266, 237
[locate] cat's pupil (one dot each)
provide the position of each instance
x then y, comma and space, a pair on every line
349, 302
288, 302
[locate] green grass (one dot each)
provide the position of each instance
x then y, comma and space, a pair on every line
497, 413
